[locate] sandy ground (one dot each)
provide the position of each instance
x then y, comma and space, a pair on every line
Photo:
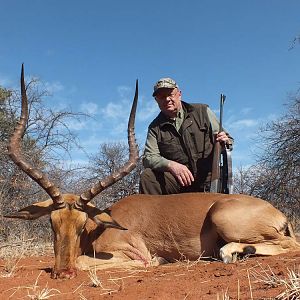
246, 279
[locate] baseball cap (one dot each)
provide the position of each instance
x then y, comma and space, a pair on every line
167, 83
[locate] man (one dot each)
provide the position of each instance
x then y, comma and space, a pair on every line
179, 146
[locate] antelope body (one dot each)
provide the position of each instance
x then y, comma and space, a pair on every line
150, 229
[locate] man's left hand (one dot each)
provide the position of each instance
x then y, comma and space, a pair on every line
222, 138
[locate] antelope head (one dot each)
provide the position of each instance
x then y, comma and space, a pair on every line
69, 213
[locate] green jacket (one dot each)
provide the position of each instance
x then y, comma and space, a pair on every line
191, 144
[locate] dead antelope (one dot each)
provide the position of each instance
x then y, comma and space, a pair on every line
149, 229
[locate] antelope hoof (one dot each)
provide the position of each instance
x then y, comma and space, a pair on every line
227, 258
64, 274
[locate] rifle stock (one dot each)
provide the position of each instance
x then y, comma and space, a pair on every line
216, 173
216, 180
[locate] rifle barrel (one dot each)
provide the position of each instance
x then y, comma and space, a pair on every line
222, 100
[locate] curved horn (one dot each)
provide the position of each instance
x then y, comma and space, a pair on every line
89, 194
15, 153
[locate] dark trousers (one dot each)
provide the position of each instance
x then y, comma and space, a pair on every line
164, 183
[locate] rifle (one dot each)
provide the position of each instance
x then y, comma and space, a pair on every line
221, 177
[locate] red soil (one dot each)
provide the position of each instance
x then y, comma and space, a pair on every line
182, 280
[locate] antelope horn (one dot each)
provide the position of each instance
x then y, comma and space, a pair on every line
89, 194
14, 152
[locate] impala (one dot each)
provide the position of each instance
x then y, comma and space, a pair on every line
148, 229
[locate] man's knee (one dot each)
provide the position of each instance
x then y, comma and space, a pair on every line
158, 183
146, 175
148, 182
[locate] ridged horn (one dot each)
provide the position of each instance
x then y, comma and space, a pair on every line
14, 152
89, 194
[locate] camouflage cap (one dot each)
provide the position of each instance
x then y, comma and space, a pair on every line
167, 83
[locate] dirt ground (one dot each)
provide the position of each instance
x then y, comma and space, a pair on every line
251, 278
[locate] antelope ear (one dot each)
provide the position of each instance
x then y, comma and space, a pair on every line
102, 218
33, 211
107, 221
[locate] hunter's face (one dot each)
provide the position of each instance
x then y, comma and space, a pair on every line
169, 101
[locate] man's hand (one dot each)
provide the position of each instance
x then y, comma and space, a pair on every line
222, 138
181, 173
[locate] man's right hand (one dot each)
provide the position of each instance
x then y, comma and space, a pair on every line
181, 173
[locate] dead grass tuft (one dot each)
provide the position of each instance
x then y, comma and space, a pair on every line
97, 283
12, 253
292, 286
35, 292
224, 296
291, 282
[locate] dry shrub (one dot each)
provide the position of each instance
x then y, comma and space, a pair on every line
290, 283
18, 246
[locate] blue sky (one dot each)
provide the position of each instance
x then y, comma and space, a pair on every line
89, 54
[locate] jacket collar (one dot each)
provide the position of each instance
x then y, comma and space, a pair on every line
163, 119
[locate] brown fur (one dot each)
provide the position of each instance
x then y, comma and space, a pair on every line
149, 229
145, 229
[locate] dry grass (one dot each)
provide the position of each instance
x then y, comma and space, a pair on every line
95, 280
12, 253
290, 283
10, 266
30, 247
115, 283
11, 257
292, 286
224, 296
97, 283
35, 292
